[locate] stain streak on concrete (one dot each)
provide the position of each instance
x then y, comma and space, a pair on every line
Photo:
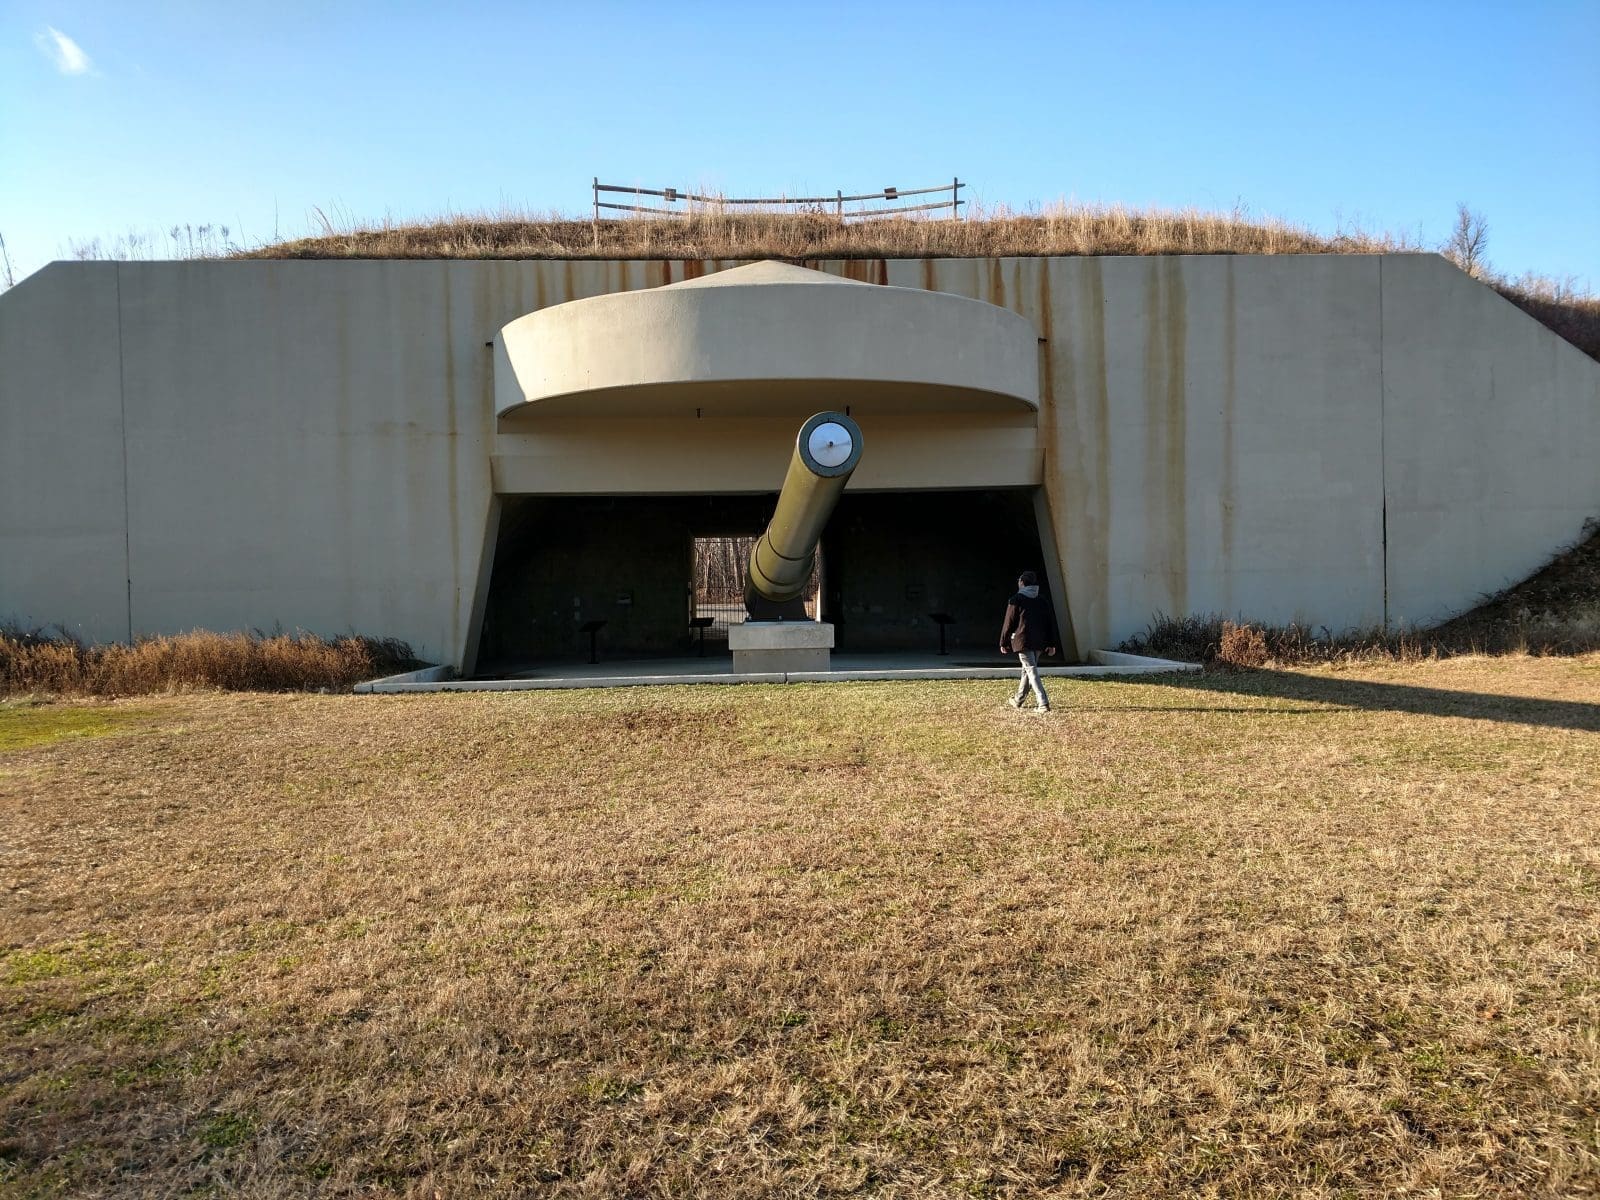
1230, 395
1055, 485
1164, 544
997, 284
452, 463
1093, 341
1175, 418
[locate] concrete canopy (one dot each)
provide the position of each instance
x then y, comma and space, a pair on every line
767, 339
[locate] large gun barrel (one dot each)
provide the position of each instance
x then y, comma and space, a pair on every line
825, 453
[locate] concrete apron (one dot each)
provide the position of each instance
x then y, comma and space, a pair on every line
681, 671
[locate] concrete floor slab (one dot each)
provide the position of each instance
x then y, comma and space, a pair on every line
847, 668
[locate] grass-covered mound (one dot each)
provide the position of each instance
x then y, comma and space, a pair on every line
1076, 229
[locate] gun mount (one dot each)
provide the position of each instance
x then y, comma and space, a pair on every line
825, 453
778, 637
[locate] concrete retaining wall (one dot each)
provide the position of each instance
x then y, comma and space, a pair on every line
1337, 440
63, 513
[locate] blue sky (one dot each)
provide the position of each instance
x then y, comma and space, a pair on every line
118, 117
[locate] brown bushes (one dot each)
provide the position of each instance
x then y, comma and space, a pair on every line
230, 661
1570, 314
1214, 640
1242, 645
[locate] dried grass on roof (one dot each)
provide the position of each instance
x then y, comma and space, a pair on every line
710, 234
1059, 230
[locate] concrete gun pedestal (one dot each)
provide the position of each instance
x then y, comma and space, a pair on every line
766, 646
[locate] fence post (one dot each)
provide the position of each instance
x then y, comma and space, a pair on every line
595, 220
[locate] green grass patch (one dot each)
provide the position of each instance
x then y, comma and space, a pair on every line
60, 961
226, 1130
24, 725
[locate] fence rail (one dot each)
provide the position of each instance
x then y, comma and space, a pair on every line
837, 201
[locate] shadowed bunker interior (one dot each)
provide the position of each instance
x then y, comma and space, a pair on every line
889, 560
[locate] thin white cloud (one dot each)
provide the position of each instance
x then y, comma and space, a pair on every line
65, 53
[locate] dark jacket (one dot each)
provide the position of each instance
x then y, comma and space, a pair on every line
1030, 624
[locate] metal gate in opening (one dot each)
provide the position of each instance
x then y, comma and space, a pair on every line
717, 588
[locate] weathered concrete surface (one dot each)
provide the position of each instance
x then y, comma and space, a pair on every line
325, 464
1213, 438
640, 456
768, 339
305, 447
899, 668
786, 646
1491, 440
316, 444
63, 532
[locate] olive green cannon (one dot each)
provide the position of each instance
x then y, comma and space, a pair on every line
825, 452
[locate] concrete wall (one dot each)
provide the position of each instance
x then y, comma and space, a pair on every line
1491, 440
306, 446
1215, 439
63, 528
313, 444
621, 455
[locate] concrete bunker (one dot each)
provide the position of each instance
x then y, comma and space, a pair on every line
1346, 441
696, 386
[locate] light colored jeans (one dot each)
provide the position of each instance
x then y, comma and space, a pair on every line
1030, 678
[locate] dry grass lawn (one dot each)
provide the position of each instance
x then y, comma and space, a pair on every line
1323, 933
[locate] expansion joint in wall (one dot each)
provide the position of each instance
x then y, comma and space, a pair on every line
127, 516
1383, 451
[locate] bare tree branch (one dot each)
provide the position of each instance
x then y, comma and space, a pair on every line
1468, 242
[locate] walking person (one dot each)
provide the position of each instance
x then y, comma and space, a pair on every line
1030, 626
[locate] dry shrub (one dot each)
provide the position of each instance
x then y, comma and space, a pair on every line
35, 662
1215, 640
1242, 646
1559, 306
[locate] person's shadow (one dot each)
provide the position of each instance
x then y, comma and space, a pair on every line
1386, 697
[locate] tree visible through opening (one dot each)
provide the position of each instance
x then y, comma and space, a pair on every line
717, 587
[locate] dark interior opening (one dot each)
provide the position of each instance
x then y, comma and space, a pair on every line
895, 558
891, 560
